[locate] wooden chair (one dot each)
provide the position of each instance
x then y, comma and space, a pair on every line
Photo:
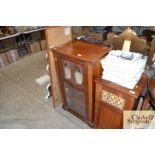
150, 90
137, 45
150, 94
151, 54
117, 41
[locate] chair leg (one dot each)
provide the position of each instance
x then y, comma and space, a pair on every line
144, 104
28, 49
16, 45
40, 45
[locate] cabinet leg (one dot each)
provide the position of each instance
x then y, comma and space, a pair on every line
64, 107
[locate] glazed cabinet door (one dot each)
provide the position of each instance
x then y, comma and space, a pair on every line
74, 73
75, 100
74, 85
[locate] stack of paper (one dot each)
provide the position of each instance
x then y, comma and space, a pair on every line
123, 68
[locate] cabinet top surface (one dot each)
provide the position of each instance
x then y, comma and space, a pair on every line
133, 93
82, 50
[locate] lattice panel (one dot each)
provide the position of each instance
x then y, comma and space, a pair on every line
112, 99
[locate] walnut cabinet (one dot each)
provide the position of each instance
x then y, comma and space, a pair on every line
111, 100
78, 64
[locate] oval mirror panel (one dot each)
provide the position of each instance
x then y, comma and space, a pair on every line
78, 75
67, 70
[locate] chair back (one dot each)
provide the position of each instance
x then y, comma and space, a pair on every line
151, 53
137, 44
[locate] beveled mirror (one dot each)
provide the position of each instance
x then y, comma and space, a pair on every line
78, 75
67, 70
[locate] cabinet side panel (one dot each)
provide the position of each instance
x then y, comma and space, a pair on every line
90, 93
97, 69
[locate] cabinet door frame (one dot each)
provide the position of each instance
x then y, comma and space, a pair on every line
86, 88
72, 81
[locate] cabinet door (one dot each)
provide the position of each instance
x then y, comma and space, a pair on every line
74, 73
75, 100
74, 85
108, 108
109, 117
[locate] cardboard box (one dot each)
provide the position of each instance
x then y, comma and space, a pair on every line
36, 35
3, 60
98, 36
8, 42
35, 47
77, 29
43, 44
12, 55
152, 28
56, 36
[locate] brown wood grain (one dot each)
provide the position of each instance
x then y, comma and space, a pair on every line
108, 116
90, 92
150, 94
89, 63
151, 53
137, 89
80, 50
137, 44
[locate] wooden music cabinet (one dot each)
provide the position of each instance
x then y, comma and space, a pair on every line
111, 100
78, 64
